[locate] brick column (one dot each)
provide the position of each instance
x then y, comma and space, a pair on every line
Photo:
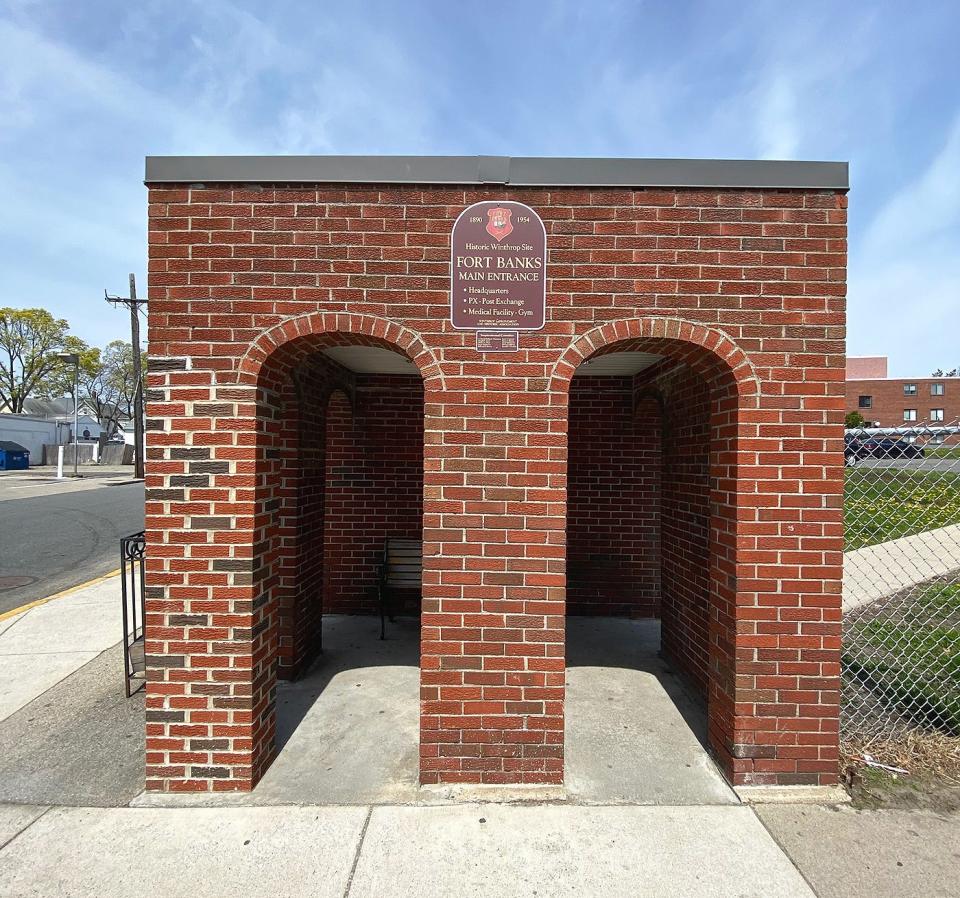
210, 647
492, 665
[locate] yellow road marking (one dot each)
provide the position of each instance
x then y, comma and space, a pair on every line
57, 595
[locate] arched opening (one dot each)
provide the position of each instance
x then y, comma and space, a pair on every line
339, 470
651, 571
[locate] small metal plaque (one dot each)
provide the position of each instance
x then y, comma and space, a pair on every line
498, 341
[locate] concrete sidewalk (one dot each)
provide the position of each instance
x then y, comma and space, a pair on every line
551, 851
41, 646
887, 853
472, 849
881, 570
404, 847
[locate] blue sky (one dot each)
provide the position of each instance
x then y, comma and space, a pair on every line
88, 89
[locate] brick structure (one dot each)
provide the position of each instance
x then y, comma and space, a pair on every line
900, 402
669, 443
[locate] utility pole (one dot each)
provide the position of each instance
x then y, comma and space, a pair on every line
133, 304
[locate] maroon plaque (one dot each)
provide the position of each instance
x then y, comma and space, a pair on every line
498, 341
498, 255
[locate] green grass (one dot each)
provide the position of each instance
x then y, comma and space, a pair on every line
942, 451
913, 660
880, 504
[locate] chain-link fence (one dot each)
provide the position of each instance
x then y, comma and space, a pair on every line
901, 597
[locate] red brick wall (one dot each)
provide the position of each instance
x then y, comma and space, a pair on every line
889, 400
246, 283
686, 597
344, 469
293, 446
613, 503
375, 487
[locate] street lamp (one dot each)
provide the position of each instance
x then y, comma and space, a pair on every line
73, 358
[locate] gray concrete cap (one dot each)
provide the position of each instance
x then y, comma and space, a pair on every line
501, 170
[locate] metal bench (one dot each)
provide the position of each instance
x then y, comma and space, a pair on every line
401, 568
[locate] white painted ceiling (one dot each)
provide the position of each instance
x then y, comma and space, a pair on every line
375, 360
371, 360
617, 364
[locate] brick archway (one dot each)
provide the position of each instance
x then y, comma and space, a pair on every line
603, 338
354, 262
286, 339
305, 571
707, 376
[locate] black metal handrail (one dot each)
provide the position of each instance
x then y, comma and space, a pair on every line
132, 552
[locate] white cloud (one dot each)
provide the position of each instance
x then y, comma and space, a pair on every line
925, 210
46, 85
77, 124
777, 122
905, 273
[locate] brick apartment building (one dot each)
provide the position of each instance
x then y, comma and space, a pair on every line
668, 443
899, 402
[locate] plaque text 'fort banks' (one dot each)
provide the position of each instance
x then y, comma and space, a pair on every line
499, 267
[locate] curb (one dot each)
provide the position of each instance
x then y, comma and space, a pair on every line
13, 612
828, 795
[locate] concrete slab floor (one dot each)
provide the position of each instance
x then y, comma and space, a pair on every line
48, 642
845, 853
15, 818
24, 677
634, 735
348, 731
76, 623
10, 621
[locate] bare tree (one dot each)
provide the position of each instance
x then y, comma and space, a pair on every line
115, 389
107, 384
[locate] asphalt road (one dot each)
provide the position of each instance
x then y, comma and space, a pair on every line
64, 537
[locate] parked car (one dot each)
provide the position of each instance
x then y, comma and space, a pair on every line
852, 449
887, 447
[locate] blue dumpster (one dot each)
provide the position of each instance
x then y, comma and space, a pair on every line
13, 456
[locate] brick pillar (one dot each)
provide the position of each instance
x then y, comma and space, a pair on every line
211, 645
492, 665
789, 566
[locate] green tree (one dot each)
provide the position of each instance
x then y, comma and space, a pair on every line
59, 381
29, 339
854, 419
106, 381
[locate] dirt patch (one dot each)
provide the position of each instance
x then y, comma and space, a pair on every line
873, 789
